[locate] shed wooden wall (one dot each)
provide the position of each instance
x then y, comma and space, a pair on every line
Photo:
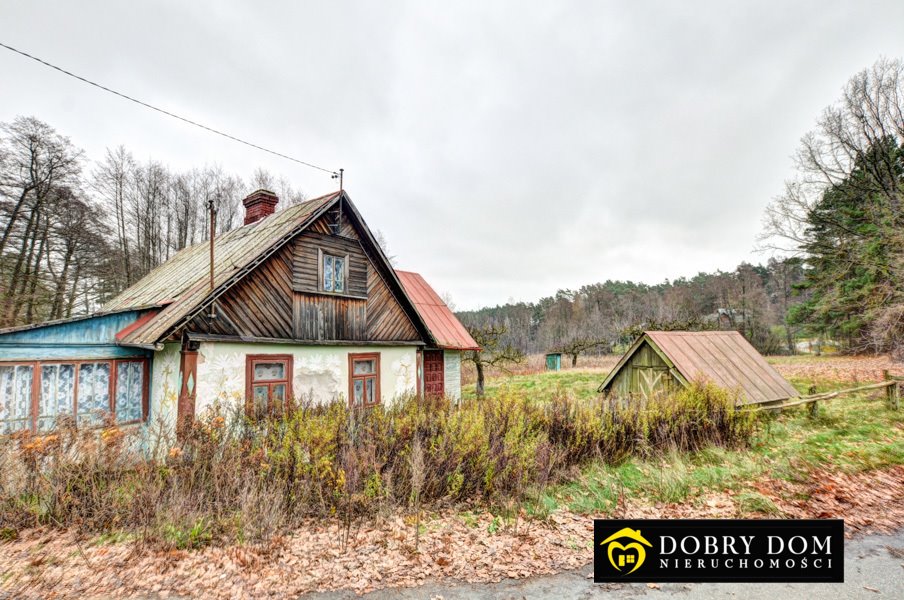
643, 375
281, 298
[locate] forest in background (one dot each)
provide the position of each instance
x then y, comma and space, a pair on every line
600, 317
836, 235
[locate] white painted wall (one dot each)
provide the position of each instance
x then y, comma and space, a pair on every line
319, 372
452, 373
165, 385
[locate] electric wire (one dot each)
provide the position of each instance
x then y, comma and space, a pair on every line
332, 172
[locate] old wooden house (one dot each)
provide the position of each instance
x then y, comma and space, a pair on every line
302, 303
664, 361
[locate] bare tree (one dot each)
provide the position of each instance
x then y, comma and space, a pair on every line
113, 180
493, 352
871, 110
842, 213
35, 158
37, 165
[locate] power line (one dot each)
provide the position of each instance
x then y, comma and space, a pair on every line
335, 174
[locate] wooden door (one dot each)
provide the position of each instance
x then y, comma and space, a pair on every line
434, 384
188, 373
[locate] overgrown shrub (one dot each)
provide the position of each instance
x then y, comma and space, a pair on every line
231, 478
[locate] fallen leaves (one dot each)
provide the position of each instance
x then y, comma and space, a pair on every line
44, 563
868, 502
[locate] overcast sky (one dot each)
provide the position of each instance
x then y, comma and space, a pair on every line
505, 149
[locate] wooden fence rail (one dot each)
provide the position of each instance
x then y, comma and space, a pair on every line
892, 385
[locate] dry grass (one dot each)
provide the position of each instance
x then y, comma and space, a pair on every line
831, 369
534, 364
232, 480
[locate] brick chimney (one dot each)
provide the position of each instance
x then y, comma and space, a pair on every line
258, 205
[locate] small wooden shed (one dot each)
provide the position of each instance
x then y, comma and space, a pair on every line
554, 361
665, 361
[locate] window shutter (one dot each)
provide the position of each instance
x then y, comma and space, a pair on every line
345, 269
319, 269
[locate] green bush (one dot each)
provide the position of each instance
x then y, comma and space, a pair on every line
229, 477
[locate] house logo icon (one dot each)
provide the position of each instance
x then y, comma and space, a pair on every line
622, 556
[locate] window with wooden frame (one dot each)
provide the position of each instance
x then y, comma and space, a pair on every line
364, 379
269, 384
35, 394
333, 273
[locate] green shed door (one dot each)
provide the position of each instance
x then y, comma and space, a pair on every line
644, 375
651, 380
553, 362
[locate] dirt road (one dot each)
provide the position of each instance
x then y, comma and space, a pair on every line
874, 568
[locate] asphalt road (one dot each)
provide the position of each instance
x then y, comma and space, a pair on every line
873, 568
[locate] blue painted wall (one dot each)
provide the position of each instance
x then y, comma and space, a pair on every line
93, 337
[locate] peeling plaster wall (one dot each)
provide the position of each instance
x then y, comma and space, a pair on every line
320, 373
165, 384
452, 373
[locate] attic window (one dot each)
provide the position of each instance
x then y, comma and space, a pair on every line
333, 270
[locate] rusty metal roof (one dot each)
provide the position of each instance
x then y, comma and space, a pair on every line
444, 326
722, 357
181, 283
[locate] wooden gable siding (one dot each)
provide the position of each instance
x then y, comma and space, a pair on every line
281, 298
258, 306
644, 375
386, 320
306, 267
319, 238
320, 317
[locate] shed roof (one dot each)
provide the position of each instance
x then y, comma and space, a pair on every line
723, 357
444, 326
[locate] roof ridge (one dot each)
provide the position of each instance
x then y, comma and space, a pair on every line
688, 331
243, 228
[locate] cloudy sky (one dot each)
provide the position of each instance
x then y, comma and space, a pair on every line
505, 149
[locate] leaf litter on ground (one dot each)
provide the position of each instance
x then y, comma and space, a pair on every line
44, 563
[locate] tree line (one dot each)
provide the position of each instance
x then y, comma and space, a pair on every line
601, 317
76, 232
836, 234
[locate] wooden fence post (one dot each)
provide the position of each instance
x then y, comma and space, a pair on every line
895, 394
813, 406
891, 391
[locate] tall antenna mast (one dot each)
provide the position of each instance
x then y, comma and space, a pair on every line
212, 209
340, 175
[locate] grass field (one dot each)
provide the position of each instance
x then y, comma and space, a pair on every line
850, 434
581, 383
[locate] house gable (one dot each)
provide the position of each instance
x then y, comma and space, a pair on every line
283, 297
